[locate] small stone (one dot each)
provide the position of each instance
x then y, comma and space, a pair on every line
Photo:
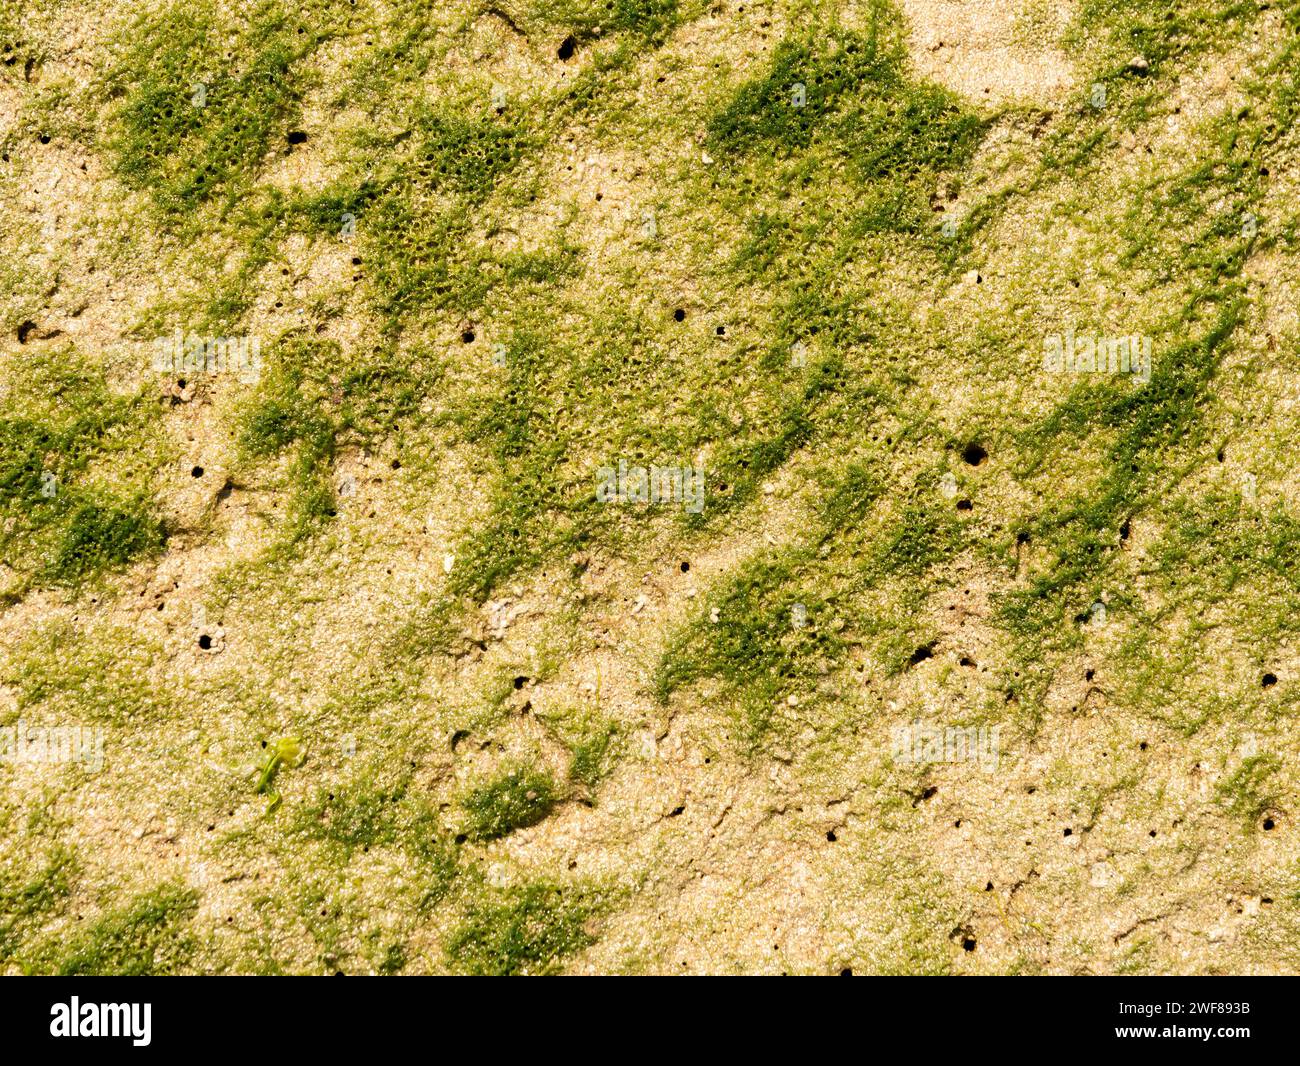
713, 615
448, 561
1139, 65
792, 700
706, 159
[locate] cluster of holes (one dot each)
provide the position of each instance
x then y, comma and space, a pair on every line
466, 156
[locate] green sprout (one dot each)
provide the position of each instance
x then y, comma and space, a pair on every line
287, 751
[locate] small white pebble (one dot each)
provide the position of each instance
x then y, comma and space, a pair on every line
448, 561
713, 614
